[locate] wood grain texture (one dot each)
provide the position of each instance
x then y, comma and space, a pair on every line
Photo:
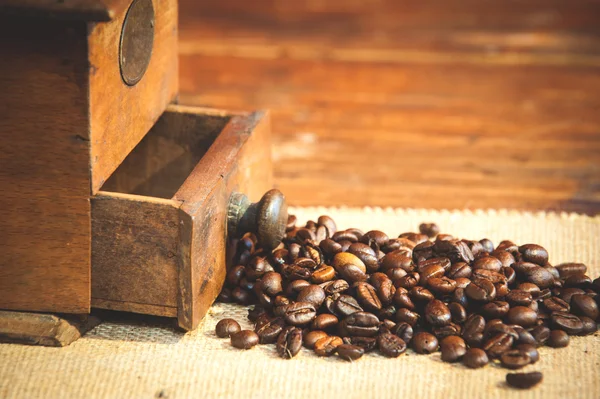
238, 160
443, 104
135, 246
84, 10
44, 167
121, 115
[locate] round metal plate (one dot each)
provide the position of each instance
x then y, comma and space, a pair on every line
137, 38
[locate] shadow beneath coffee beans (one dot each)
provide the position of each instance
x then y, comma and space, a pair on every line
123, 326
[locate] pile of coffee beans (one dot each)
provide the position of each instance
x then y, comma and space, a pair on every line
350, 292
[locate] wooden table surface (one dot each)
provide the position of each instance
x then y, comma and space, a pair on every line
436, 104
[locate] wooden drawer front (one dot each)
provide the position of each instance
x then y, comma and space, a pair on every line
120, 115
159, 238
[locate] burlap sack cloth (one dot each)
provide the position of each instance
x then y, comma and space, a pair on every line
118, 360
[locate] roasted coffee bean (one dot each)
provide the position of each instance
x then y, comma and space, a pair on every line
335, 287
424, 343
225, 295
270, 283
235, 275
379, 237
256, 312
524, 380
524, 337
294, 272
558, 339
389, 312
366, 254
421, 295
453, 348
361, 324
350, 352
384, 287
404, 331
367, 296
495, 309
566, 270
345, 258
487, 244
446, 331
322, 274
289, 342
483, 274
408, 282
589, 326
327, 346
397, 259
324, 321
395, 273
507, 245
300, 313
531, 350
329, 223
226, 327
515, 359
459, 270
407, 316
367, 343
522, 316
460, 297
346, 305
580, 280
541, 334
312, 337
519, 298
534, 253
415, 237
391, 345
584, 305
481, 290
257, 267
492, 329
567, 293
437, 313
459, 314
269, 330
498, 344
423, 251
540, 277
352, 273
488, 263
567, 322
291, 223
533, 289
241, 296
244, 339
474, 327
475, 358
312, 294
402, 300
441, 286
330, 248
429, 229
505, 257
294, 287
555, 304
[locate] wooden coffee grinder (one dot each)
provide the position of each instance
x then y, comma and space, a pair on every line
114, 196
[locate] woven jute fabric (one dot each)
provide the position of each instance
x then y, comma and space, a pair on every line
151, 359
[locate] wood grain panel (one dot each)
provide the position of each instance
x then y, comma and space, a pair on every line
121, 115
44, 167
437, 104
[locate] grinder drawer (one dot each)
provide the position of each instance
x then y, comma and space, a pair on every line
159, 223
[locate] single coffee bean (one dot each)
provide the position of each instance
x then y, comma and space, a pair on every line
312, 337
437, 313
487, 244
506, 258
226, 327
453, 348
540, 277
352, 273
533, 289
555, 304
584, 305
497, 328
458, 311
366, 254
345, 258
384, 287
459, 270
515, 359
330, 247
256, 312
312, 294
567, 293
241, 296
327, 346
446, 331
475, 358
404, 331
534, 253
335, 287
361, 324
289, 342
524, 380
408, 282
567, 322
460, 297
345, 305
429, 229
329, 223
408, 316
322, 274
367, 296
324, 321
522, 316
580, 281
270, 283
441, 286
495, 309
531, 350
498, 344
300, 313
367, 343
558, 339
589, 326
488, 263
424, 343
421, 295
350, 352
391, 345
481, 290
473, 329
379, 237
541, 334
566, 270
397, 259
244, 339
269, 329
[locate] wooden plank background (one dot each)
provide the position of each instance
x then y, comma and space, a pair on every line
441, 103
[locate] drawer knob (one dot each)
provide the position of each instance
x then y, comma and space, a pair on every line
266, 218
